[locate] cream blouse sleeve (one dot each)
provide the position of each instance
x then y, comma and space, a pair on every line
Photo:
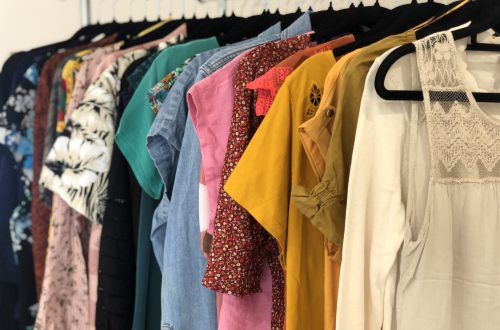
375, 216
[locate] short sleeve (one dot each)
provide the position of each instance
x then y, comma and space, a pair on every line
260, 183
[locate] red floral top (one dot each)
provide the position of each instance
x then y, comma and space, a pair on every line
240, 246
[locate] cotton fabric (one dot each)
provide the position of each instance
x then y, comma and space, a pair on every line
265, 192
268, 84
138, 118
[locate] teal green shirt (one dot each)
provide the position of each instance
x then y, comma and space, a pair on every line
138, 117
147, 308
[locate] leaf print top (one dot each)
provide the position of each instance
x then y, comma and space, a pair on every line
77, 165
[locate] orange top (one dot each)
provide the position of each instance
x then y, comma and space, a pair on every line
268, 84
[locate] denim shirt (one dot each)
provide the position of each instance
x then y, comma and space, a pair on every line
164, 142
176, 249
165, 136
174, 147
227, 54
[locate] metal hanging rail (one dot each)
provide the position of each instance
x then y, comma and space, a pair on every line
85, 7
85, 12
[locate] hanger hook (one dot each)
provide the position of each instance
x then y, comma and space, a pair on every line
223, 8
130, 9
146, 10
115, 3
99, 11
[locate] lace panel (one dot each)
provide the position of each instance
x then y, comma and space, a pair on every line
465, 142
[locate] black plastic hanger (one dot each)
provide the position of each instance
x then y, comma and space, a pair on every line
89, 32
288, 19
153, 35
450, 16
489, 16
214, 27
248, 28
479, 46
330, 7
395, 21
347, 21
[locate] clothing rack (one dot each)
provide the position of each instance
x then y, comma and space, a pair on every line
86, 12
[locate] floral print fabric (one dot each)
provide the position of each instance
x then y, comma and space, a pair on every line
16, 132
240, 245
83, 78
64, 299
39, 211
159, 92
77, 165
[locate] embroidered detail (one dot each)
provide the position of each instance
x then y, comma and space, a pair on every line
314, 100
267, 87
315, 95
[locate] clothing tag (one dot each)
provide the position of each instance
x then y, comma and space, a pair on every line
204, 208
488, 37
162, 46
365, 28
460, 26
98, 37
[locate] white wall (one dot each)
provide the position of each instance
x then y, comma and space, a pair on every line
25, 24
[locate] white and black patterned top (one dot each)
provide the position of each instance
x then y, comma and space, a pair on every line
77, 166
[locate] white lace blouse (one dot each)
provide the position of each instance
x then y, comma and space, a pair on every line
422, 240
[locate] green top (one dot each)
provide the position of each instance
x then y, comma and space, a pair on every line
138, 117
147, 308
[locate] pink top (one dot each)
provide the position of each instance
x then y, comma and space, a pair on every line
64, 298
210, 103
111, 58
82, 82
65, 228
248, 312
